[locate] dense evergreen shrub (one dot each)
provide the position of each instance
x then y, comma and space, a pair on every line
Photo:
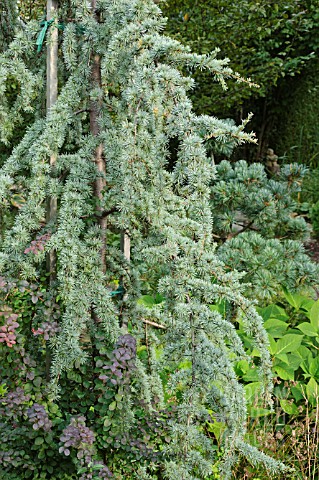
255, 222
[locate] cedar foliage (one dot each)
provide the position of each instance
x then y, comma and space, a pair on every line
8, 22
98, 334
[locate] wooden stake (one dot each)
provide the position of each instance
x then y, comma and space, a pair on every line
126, 249
52, 95
126, 246
153, 324
52, 55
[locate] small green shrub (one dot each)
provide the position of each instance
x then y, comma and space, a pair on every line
258, 230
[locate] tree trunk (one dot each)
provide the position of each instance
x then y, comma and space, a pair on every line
98, 158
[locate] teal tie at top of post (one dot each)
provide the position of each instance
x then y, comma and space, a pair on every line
40, 39
79, 29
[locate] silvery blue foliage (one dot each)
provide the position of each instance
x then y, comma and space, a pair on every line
142, 104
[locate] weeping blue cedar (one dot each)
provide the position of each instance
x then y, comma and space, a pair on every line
141, 105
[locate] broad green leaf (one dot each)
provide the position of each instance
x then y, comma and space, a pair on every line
3, 389
252, 391
272, 345
284, 372
294, 299
303, 352
276, 328
306, 362
308, 329
242, 367
37, 381
307, 304
314, 316
274, 312
314, 367
294, 360
142, 352
252, 375
112, 406
158, 298
39, 441
247, 341
255, 353
289, 343
150, 301
312, 391
74, 376
147, 300
217, 428
255, 412
97, 466
292, 331
289, 407
107, 422
213, 308
282, 357
220, 307
297, 393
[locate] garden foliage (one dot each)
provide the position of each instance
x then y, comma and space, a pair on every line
260, 233
293, 329
117, 372
295, 135
265, 41
274, 43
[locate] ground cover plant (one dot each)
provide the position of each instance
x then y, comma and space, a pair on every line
292, 432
